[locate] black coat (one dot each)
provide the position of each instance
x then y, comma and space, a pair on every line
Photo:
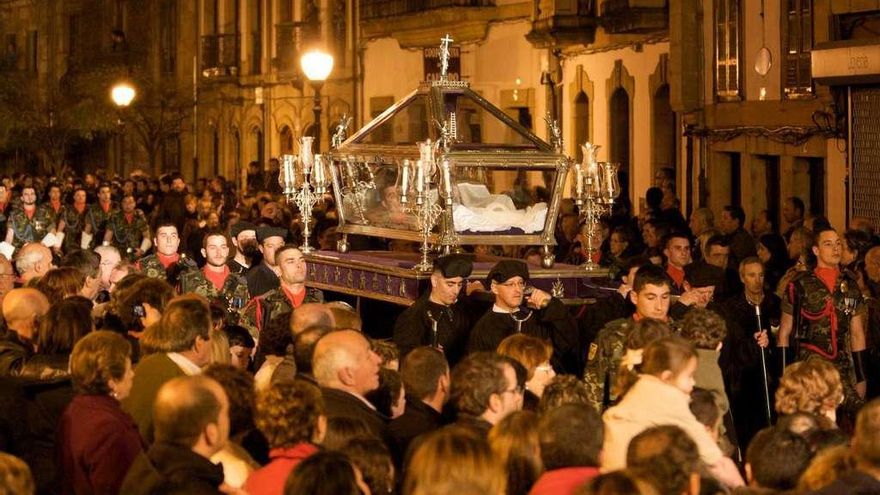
170, 469
418, 418
261, 279
14, 352
338, 403
414, 327
552, 323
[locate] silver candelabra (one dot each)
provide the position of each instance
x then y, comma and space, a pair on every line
304, 180
419, 200
594, 188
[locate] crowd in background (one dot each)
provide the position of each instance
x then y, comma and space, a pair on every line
162, 337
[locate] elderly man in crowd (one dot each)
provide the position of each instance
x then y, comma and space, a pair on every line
22, 309
33, 261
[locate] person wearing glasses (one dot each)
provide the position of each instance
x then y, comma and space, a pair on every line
520, 308
485, 390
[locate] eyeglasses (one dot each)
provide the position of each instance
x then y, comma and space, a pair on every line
546, 368
517, 390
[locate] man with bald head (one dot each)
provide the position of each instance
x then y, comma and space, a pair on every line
310, 315
33, 261
346, 368
191, 418
22, 309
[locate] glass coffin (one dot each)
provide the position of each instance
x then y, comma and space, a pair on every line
445, 160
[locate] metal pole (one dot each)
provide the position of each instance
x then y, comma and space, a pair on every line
764, 368
317, 109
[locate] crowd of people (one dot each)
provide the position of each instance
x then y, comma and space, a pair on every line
161, 337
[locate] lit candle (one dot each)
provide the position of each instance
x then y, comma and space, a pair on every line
447, 180
420, 176
578, 182
404, 177
318, 173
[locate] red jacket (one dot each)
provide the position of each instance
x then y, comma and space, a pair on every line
97, 443
269, 479
564, 481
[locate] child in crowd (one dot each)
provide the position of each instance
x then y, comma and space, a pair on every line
657, 392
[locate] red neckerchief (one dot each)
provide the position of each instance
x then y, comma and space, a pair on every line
828, 276
217, 279
168, 260
56, 204
105, 206
295, 299
29, 211
80, 207
676, 274
129, 217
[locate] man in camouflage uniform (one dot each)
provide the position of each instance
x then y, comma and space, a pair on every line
651, 296
72, 221
99, 214
824, 312
30, 223
215, 280
54, 204
166, 262
280, 302
128, 231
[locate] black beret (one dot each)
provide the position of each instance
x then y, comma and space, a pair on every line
454, 265
266, 231
506, 270
702, 274
240, 227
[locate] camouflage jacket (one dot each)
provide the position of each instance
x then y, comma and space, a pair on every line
56, 215
127, 236
233, 295
815, 332
603, 362
273, 304
153, 268
32, 229
98, 218
74, 225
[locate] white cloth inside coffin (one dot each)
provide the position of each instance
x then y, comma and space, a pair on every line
482, 211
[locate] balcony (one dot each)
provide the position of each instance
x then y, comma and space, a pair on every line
561, 23
378, 9
219, 55
635, 16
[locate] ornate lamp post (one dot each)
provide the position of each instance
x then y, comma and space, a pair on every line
317, 66
594, 189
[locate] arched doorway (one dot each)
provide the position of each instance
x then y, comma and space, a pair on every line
663, 137
256, 147
620, 140
286, 141
581, 122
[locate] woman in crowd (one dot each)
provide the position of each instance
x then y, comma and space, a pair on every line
67, 321
326, 473
811, 387
97, 440
774, 255
454, 454
291, 417
534, 354
514, 442
59, 283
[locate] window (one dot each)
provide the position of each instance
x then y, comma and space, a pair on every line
581, 122
727, 49
797, 40
168, 35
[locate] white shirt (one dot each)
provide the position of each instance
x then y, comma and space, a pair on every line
189, 368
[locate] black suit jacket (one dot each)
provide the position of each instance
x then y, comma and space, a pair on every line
418, 418
338, 403
261, 279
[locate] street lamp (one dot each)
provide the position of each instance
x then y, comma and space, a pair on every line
122, 95
317, 66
